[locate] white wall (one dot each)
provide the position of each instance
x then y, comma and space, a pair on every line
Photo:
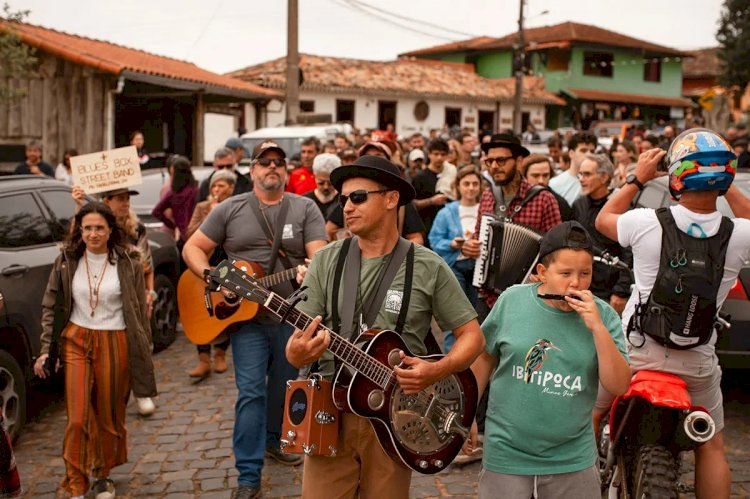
366, 112
217, 128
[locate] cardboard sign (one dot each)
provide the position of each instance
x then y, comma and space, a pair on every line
106, 170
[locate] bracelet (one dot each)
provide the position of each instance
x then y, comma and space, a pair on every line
153, 294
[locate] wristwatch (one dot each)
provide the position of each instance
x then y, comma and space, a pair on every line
632, 179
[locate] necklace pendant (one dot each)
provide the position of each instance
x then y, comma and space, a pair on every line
92, 313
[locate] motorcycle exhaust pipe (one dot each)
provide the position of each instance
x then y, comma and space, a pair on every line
699, 426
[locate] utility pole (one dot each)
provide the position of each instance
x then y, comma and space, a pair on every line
292, 63
519, 66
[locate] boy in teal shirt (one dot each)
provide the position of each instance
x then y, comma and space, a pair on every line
550, 344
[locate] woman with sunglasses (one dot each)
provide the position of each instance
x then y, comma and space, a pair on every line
97, 290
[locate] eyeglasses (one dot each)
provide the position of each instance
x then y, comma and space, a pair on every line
323, 182
359, 196
586, 174
499, 160
266, 162
90, 229
221, 167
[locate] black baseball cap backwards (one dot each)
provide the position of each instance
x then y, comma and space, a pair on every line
378, 169
565, 235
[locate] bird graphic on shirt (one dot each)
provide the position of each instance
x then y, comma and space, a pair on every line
535, 358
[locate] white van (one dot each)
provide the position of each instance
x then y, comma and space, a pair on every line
290, 137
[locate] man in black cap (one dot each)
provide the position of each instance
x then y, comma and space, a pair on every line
371, 190
511, 197
245, 226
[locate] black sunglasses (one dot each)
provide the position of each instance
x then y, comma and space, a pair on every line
359, 196
266, 162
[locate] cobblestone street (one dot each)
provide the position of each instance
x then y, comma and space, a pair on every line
185, 449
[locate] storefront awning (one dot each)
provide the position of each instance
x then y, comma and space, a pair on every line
625, 98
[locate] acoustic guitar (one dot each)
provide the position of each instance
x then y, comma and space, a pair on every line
201, 326
424, 431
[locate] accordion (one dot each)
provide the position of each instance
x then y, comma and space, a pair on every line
508, 252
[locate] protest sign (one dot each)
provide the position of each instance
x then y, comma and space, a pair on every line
106, 170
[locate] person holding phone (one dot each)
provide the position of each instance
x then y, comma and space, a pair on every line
452, 225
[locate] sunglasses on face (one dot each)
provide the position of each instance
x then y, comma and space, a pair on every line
359, 196
266, 162
222, 167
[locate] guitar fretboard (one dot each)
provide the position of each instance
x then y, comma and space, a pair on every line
278, 278
341, 348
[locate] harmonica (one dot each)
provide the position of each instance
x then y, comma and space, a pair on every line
556, 297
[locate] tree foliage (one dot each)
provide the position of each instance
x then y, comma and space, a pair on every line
17, 60
734, 44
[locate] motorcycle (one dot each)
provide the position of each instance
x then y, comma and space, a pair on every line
647, 429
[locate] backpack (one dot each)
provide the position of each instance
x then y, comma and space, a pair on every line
681, 310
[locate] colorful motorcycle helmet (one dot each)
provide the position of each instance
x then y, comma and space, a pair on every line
700, 159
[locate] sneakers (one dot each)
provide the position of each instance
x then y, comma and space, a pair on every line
146, 406
104, 488
286, 459
246, 492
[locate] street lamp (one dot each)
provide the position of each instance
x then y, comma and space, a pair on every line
519, 68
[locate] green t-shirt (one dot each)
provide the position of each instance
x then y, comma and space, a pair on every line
435, 292
542, 426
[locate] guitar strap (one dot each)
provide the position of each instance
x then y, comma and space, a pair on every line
275, 236
374, 299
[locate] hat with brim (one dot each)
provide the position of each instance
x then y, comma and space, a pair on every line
507, 140
117, 192
378, 169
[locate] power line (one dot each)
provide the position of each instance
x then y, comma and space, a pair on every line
205, 27
412, 20
349, 4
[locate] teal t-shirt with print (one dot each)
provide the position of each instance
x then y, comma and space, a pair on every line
545, 385
435, 292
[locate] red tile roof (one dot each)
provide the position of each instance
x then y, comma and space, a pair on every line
400, 77
649, 100
115, 59
564, 32
704, 63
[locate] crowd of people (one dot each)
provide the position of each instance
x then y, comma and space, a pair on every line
421, 198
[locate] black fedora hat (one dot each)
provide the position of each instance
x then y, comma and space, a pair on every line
507, 140
378, 169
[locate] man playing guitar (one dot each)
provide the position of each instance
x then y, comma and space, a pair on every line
246, 226
371, 192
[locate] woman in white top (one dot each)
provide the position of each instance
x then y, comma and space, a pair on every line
453, 224
63, 171
95, 324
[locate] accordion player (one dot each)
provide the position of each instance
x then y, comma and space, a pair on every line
507, 254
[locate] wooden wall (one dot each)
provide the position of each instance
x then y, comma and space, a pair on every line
64, 106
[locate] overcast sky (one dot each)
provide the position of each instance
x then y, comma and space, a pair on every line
224, 35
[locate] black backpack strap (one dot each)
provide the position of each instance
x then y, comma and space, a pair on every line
530, 194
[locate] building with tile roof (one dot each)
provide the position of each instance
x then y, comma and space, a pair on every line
92, 94
413, 95
598, 71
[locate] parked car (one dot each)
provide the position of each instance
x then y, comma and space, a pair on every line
733, 345
150, 189
34, 216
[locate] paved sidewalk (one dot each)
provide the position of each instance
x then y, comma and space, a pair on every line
185, 449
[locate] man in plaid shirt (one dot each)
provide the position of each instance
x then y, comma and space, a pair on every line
504, 154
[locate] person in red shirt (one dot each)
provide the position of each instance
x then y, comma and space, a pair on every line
302, 179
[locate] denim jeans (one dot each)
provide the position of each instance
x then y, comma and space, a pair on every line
464, 272
258, 352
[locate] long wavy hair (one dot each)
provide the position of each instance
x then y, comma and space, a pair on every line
117, 238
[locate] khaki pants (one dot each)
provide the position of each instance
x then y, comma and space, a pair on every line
360, 469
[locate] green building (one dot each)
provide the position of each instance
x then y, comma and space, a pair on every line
601, 74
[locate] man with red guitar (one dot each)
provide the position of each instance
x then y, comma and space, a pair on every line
371, 191
248, 226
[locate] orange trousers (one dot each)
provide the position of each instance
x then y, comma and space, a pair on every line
97, 387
